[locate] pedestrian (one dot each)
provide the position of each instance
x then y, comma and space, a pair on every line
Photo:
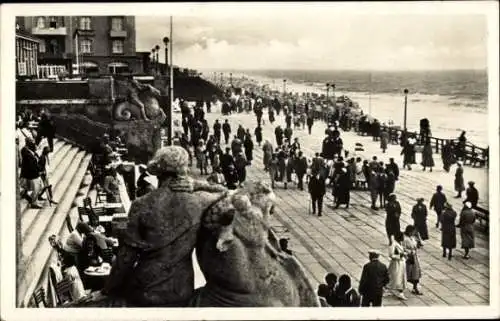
448, 230
310, 122
447, 155
360, 175
317, 189
373, 185
438, 201
346, 295
397, 267
267, 148
43, 164
343, 189
240, 132
258, 134
30, 173
240, 164
300, 167
322, 294
392, 166
419, 216
393, 214
390, 184
236, 146
427, 159
248, 144
331, 283
282, 160
273, 168
288, 133
382, 181
232, 179
472, 195
47, 129
408, 155
278, 133
217, 131
270, 113
201, 157
413, 271
459, 180
466, 225
226, 129
374, 278
384, 140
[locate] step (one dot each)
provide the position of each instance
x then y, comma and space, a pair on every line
43, 216
42, 278
57, 158
29, 215
37, 251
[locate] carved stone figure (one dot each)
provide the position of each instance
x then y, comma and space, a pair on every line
141, 102
241, 260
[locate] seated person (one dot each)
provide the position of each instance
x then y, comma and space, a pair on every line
345, 294
74, 242
217, 177
93, 217
111, 186
70, 273
322, 294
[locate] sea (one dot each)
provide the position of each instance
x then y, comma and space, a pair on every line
453, 101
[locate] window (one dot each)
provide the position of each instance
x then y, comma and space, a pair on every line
86, 46
117, 24
85, 23
117, 46
52, 23
21, 68
40, 22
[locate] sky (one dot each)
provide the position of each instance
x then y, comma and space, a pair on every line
320, 39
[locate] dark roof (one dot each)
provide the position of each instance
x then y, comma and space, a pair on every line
26, 35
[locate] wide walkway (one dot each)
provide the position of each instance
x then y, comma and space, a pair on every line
339, 240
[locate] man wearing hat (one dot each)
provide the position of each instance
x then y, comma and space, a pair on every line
393, 210
374, 278
459, 180
466, 225
438, 201
419, 216
472, 195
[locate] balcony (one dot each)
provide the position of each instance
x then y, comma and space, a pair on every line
61, 31
52, 55
86, 32
118, 34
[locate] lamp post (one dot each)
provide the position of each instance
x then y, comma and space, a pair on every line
152, 60
327, 90
231, 79
166, 40
332, 85
406, 107
157, 58
284, 87
221, 79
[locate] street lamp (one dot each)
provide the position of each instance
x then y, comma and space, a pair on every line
221, 79
406, 107
166, 40
152, 60
327, 90
284, 86
157, 57
231, 78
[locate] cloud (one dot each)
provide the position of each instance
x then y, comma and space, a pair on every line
308, 40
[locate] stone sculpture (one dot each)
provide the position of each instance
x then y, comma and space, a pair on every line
241, 260
141, 102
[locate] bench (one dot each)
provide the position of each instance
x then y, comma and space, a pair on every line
483, 215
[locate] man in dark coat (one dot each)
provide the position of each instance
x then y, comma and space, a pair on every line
270, 113
438, 201
226, 129
258, 134
231, 177
343, 188
472, 195
278, 133
217, 131
328, 148
382, 181
448, 230
288, 120
374, 278
236, 146
30, 173
300, 167
318, 164
419, 216
240, 163
248, 144
393, 213
240, 133
373, 186
310, 122
288, 133
226, 160
392, 166
390, 184
317, 189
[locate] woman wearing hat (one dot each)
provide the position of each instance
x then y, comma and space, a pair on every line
459, 180
397, 267
154, 264
413, 271
466, 225
393, 210
448, 230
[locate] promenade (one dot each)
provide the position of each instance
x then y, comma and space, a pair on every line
339, 240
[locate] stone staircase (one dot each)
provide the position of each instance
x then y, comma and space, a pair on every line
70, 181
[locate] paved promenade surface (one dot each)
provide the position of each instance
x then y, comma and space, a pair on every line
339, 240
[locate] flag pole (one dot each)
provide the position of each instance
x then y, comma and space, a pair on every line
171, 121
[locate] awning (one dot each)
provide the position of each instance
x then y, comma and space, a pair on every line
89, 64
118, 64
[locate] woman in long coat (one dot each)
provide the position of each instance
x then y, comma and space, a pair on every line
459, 180
343, 188
427, 160
384, 140
397, 267
466, 225
447, 156
273, 168
413, 271
258, 134
419, 216
448, 230
408, 156
271, 115
248, 144
267, 148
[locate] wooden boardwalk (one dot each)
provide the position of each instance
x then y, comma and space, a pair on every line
339, 241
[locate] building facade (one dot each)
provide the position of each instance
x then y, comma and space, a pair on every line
86, 44
27, 48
